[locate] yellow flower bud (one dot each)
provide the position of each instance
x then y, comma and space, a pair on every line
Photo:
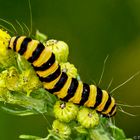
4, 40
12, 79
61, 129
60, 49
29, 81
88, 118
69, 69
65, 111
2, 81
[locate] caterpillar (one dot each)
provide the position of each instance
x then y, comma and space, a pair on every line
58, 82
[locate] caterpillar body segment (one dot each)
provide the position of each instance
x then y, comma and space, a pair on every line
59, 83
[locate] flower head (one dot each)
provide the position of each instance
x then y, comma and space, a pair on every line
88, 118
60, 49
61, 129
70, 69
65, 111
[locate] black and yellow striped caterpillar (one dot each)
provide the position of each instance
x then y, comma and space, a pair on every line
58, 82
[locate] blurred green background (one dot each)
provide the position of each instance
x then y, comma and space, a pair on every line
93, 29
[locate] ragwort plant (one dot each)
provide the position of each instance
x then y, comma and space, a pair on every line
20, 86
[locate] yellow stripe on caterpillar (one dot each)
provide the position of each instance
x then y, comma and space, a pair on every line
92, 96
48, 71
104, 100
31, 47
78, 94
44, 56
63, 92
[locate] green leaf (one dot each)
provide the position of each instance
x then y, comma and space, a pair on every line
40, 36
18, 112
81, 130
29, 137
96, 134
117, 133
